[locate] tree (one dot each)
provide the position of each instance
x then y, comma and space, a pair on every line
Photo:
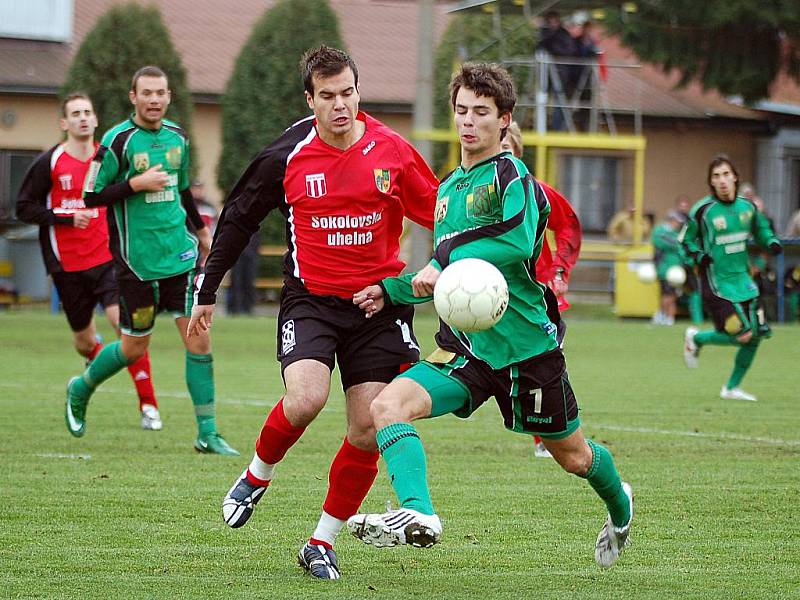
737, 47
265, 92
125, 38
466, 39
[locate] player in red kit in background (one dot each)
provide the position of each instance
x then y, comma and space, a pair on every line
552, 269
74, 241
344, 182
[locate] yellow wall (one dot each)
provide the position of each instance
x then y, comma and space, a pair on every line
36, 126
676, 162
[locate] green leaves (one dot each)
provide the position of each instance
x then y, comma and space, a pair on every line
127, 37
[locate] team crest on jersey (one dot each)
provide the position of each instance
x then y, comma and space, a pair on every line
66, 181
315, 185
174, 157
382, 180
440, 212
720, 224
745, 217
141, 161
482, 201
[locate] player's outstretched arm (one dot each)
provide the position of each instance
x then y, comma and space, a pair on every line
201, 319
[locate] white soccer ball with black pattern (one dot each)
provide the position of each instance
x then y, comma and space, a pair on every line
471, 295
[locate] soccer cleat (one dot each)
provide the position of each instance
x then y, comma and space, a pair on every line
214, 443
612, 539
690, 349
75, 410
736, 393
319, 561
396, 527
151, 419
240, 501
540, 451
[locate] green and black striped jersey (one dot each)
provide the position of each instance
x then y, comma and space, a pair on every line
497, 212
147, 230
720, 231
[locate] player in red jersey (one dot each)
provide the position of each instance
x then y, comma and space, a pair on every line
344, 182
553, 269
74, 241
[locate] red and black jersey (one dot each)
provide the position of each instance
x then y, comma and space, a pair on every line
344, 209
50, 194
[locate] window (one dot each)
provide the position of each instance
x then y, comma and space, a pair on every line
45, 20
593, 185
13, 165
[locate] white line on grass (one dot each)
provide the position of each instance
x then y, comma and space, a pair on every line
60, 455
701, 434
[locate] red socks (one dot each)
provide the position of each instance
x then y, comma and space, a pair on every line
353, 472
142, 379
277, 436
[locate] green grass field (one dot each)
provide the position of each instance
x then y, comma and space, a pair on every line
123, 513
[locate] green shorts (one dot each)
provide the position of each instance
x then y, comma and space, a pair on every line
534, 396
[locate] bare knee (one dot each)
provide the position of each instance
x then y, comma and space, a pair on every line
134, 348
302, 407
577, 461
745, 337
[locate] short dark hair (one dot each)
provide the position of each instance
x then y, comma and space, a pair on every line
76, 95
324, 61
489, 80
722, 159
148, 71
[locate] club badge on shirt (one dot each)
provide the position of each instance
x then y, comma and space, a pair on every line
315, 185
382, 180
141, 161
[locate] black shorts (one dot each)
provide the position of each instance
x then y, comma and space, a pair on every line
81, 291
534, 396
736, 318
140, 301
667, 289
327, 328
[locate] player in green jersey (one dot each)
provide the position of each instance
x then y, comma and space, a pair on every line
141, 172
715, 237
491, 208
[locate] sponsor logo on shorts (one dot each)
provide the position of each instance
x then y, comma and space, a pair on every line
288, 340
532, 419
408, 338
187, 255
143, 317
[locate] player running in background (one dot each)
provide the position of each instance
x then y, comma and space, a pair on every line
715, 238
552, 268
344, 182
491, 208
141, 171
74, 241
668, 254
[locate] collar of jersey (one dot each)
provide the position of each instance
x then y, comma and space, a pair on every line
483, 162
152, 131
360, 116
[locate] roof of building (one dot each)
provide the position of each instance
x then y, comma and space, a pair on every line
382, 37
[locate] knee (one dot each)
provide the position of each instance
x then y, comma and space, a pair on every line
302, 407
745, 337
134, 353
384, 412
84, 346
577, 462
362, 438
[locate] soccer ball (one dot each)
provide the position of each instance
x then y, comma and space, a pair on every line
646, 272
471, 295
676, 276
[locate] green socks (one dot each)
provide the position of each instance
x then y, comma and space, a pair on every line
604, 479
108, 362
200, 381
696, 307
402, 450
744, 358
715, 338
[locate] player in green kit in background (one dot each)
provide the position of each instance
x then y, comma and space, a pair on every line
491, 208
141, 172
715, 237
